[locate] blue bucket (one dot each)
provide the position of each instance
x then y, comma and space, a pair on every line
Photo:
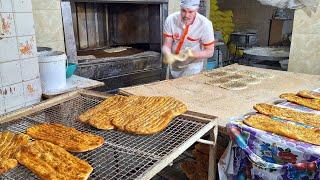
212, 65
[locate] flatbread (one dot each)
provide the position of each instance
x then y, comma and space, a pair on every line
202, 159
289, 114
310, 103
97, 116
203, 148
300, 133
135, 114
234, 77
257, 75
216, 73
234, 85
116, 49
66, 137
52, 162
218, 81
79, 58
309, 94
249, 80
155, 116
10, 144
230, 69
193, 171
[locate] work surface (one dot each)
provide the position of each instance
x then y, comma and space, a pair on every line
74, 83
213, 100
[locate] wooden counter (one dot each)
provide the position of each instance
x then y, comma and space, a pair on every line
213, 100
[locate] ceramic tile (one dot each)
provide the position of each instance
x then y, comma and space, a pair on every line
10, 72
22, 5
7, 26
32, 90
27, 47
7, 110
13, 96
5, 6
30, 103
8, 50
2, 107
46, 4
24, 24
30, 69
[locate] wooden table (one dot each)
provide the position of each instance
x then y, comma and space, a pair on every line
74, 83
213, 100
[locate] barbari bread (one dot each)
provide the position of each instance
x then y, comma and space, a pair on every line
10, 144
52, 162
135, 114
292, 115
309, 94
66, 137
300, 133
310, 103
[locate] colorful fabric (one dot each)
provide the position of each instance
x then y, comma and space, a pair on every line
256, 154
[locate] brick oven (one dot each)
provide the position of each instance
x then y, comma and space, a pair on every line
115, 41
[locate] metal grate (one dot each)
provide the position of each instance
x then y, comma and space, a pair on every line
123, 156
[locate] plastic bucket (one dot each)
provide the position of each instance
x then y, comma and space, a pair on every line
212, 65
52, 68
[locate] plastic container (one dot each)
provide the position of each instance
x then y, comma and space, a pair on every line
71, 68
211, 64
52, 68
42, 51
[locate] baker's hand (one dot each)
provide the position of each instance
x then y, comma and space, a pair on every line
182, 64
168, 58
186, 55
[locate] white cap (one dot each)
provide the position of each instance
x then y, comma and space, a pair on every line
190, 4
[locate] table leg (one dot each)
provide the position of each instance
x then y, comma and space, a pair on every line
213, 154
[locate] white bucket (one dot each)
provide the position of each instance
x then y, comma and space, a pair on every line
52, 68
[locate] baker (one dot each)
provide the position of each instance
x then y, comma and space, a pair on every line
188, 40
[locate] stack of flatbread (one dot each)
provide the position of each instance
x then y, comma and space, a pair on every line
292, 131
294, 124
309, 99
134, 114
10, 144
47, 157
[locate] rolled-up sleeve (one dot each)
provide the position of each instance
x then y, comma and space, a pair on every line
208, 35
167, 29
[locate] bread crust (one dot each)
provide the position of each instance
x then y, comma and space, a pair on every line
66, 137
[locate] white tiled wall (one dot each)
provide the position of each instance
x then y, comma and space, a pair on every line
2, 106
32, 90
22, 6
30, 69
19, 69
10, 72
9, 49
24, 24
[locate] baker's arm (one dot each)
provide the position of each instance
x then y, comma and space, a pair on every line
191, 56
168, 57
167, 44
205, 54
